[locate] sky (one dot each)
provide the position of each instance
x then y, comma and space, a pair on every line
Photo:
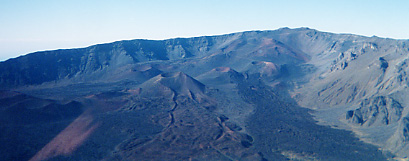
28, 26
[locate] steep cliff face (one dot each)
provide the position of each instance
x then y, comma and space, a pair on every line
365, 77
94, 62
355, 68
376, 111
361, 80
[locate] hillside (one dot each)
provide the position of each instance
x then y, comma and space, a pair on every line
286, 94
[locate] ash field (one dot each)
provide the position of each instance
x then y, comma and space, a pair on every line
286, 94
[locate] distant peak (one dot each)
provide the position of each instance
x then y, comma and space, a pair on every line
298, 28
304, 28
284, 28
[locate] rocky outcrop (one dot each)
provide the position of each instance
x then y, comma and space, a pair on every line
342, 61
376, 111
383, 64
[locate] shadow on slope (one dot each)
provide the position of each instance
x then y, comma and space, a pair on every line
28, 123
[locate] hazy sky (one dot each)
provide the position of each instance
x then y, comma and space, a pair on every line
35, 25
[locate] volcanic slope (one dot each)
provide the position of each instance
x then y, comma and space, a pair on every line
226, 97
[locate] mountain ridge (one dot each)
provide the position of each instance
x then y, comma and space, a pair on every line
348, 80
